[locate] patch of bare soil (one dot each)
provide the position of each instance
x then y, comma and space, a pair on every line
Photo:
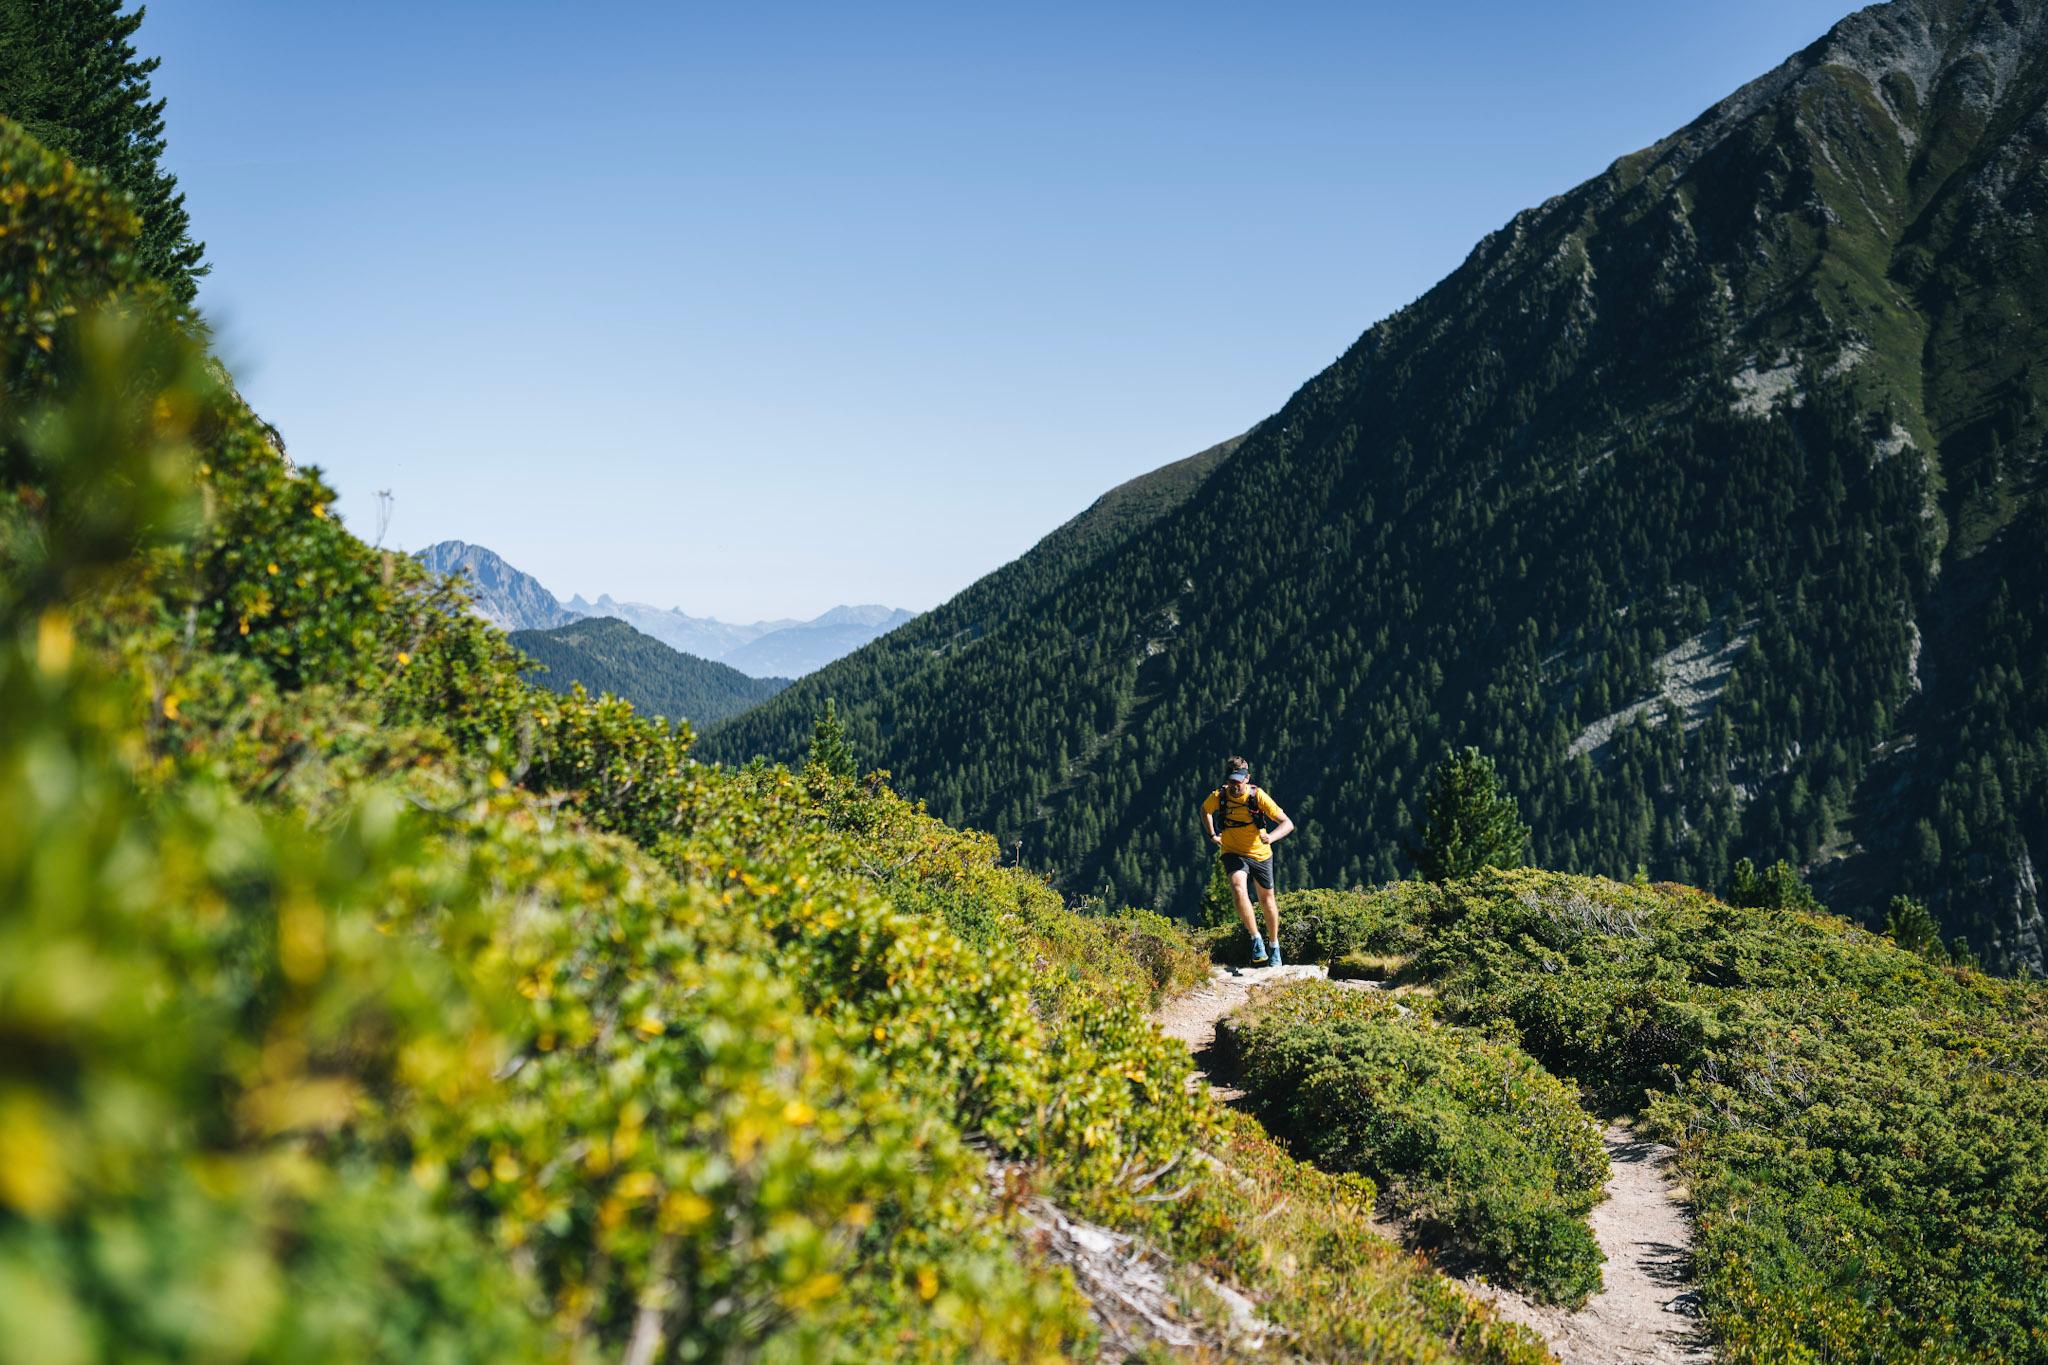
1193, 1017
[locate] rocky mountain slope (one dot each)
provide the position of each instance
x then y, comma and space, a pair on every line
607, 655
1705, 496
501, 594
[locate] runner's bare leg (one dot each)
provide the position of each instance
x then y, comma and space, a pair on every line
1272, 908
1244, 902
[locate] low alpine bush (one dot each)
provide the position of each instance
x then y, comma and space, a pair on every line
1459, 1130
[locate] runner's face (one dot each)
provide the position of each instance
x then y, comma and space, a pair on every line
1238, 788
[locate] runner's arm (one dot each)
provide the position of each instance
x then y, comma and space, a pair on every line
1281, 830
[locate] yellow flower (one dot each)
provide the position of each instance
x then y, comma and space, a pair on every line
170, 706
53, 642
819, 1286
32, 1175
682, 1210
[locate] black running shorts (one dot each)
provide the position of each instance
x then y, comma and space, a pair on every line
1260, 868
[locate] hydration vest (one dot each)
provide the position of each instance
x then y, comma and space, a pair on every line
1248, 808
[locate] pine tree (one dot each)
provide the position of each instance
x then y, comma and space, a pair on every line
1469, 821
1778, 887
1909, 925
830, 749
71, 77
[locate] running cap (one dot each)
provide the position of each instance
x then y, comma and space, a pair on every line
1240, 774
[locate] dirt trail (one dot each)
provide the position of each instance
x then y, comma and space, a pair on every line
1647, 1309
1646, 1312
1193, 1017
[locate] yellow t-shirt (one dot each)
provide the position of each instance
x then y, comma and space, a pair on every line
1242, 835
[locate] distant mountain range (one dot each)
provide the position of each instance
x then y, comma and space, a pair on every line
783, 648
607, 655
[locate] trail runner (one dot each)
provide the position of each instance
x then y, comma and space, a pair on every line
1236, 817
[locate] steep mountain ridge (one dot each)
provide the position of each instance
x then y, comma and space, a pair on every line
1732, 450
1009, 594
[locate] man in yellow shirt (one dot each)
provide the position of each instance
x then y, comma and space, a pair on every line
1235, 817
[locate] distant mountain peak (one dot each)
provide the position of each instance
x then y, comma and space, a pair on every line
501, 594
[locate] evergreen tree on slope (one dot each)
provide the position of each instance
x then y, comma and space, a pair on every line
1469, 821
71, 77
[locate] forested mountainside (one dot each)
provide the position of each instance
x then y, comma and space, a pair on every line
1706, 497
607, 655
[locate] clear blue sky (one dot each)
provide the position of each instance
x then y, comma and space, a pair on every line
754, 309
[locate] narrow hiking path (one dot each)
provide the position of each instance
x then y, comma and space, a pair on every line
1647, 1309
1646, 1312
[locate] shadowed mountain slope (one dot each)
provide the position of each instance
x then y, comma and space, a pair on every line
1705, 496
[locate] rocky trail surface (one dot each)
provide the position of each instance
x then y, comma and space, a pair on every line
1646, 1312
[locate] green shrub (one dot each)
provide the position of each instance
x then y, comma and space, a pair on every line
1864, 1132
1161, 949
1322, 926
1459, 1130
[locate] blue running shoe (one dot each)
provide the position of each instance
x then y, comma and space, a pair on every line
1274, 958
1259, 958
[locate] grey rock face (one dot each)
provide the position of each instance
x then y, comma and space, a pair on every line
501, 594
